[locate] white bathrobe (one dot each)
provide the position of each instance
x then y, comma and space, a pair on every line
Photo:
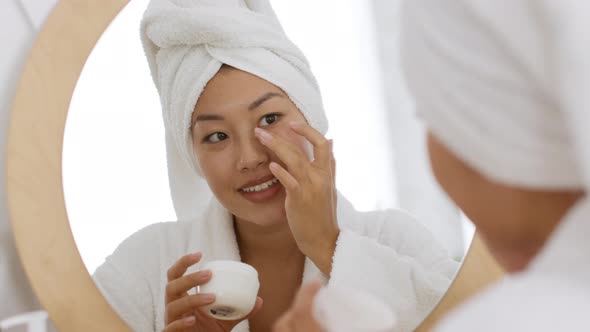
386, 253
553, 294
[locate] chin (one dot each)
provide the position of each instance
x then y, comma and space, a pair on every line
267, 222
264, 215
513, 257
514, 262
270, 217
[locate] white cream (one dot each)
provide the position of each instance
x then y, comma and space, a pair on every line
235, 286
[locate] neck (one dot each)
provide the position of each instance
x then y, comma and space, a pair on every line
265, 243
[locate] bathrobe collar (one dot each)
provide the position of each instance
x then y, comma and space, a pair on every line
221, 244
567, 252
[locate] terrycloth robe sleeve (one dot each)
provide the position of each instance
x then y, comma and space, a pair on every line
392, 256
127, 279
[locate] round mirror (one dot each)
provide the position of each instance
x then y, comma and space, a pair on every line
114, 158
115, 178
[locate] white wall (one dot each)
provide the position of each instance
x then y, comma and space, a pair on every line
19, 22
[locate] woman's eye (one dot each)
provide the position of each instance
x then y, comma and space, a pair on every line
269, 119
215, 137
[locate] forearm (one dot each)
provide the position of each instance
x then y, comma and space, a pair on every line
322, 253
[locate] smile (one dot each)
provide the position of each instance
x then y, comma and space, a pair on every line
260, 187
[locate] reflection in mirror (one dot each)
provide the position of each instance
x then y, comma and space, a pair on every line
116, 174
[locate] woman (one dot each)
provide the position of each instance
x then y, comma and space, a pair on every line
243, 112
505, 96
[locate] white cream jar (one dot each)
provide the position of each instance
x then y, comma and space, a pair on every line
235, 285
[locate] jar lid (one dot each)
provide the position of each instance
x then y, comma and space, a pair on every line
230, 266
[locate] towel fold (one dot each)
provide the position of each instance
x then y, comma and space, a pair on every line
506, 90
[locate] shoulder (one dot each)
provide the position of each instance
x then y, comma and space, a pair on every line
523, 303
396, 229
149, 247
155, 235
390, 225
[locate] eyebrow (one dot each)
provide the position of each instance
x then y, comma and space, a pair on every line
255, 104
262, 99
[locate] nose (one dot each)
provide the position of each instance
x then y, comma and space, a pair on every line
252, 154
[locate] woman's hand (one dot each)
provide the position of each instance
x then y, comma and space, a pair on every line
311, 191
182, 310
299, 317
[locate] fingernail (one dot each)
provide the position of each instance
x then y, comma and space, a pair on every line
274, 165
263, 134
208, 297
204, 274
189, 320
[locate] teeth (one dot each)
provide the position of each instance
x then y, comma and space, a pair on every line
261, 187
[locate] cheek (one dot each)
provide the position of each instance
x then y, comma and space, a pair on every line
215, 168
438, 165
453, 177
480, 200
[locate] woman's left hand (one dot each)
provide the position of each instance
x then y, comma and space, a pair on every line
311, 192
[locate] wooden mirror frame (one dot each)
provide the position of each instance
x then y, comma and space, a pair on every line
34, 178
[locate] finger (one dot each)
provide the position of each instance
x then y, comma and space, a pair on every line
333, 170
332, 161
321, 147
305, 296
284, 323
179, 268
187, 304
295, 160
257, 307
284, 177
176, 288
180, 324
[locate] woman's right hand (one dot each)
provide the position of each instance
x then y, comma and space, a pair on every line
182, 310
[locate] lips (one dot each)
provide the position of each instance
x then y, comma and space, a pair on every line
261, 190
256, 182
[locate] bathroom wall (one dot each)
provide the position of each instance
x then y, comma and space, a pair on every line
20, 20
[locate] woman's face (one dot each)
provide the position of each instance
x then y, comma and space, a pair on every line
514, 222
232, 160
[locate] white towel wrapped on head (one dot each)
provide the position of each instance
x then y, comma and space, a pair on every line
505, 89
